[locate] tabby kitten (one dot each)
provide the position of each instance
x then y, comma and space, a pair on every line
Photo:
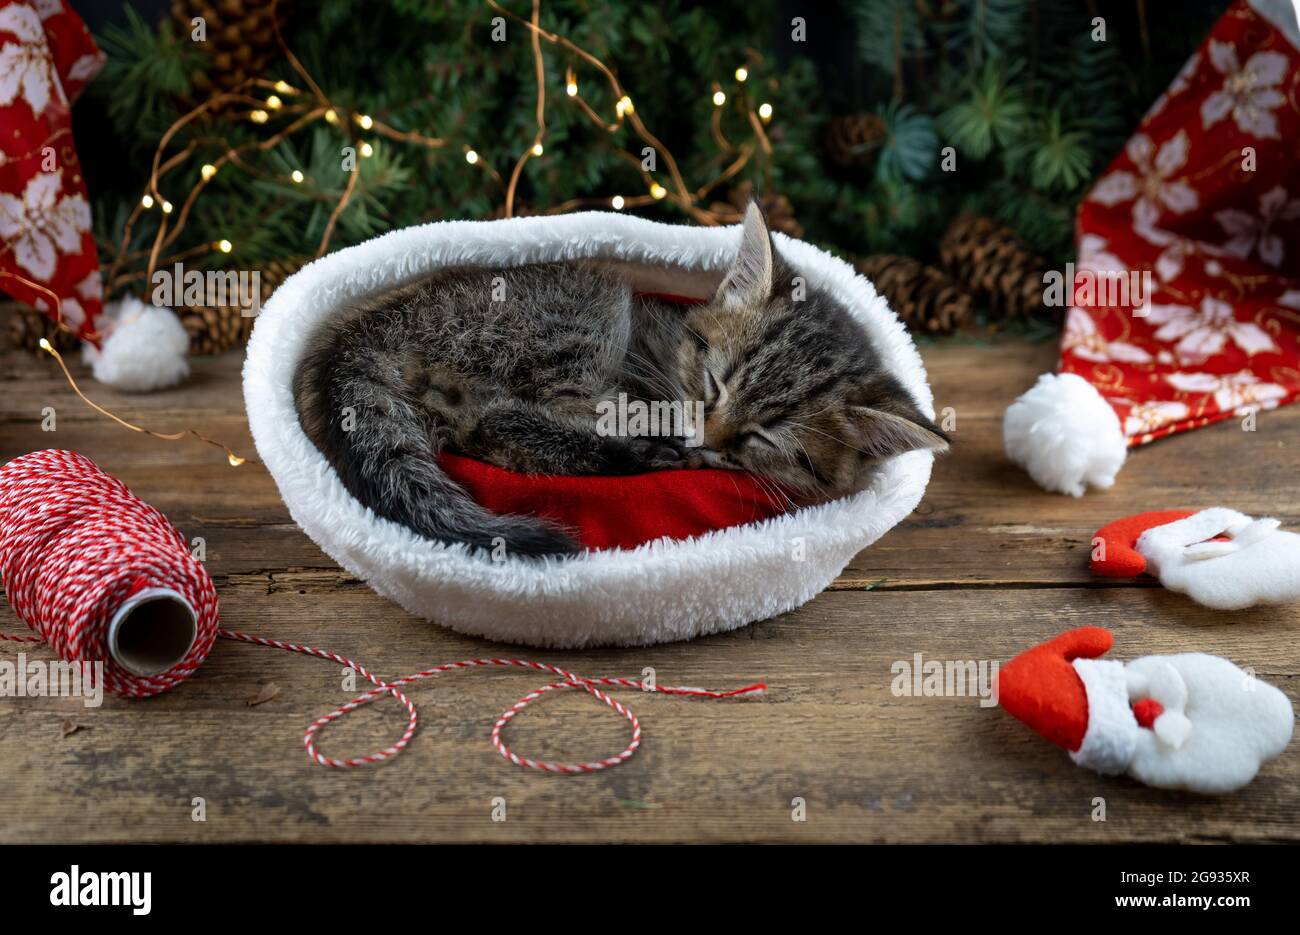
509, 366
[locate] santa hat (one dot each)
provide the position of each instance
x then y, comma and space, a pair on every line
1183, 306
1070, 696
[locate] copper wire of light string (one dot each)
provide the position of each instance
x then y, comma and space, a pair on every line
59, 323
233, 459
317, 105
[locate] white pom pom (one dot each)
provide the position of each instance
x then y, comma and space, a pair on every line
145, 348
1065, 435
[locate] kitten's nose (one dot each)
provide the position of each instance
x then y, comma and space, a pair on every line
718, 435
712, 459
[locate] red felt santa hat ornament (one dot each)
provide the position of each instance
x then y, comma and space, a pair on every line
1185, 721
1184, 303
1219, 557
1114, 546
1073, 698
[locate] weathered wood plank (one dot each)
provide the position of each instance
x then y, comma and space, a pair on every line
870, 765
32, 380
987, 566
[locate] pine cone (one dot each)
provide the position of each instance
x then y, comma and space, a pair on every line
923, 296
997, 267
240, 39
24, 326
851, 140
214, 329
778, 208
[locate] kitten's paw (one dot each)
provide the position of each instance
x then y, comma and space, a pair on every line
692, 457
659, 454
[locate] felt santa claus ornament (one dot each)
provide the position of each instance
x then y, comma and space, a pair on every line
1184, 721
1218, 557
1184, 303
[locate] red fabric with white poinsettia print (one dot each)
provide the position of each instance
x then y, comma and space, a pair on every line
46, 57
1219, 333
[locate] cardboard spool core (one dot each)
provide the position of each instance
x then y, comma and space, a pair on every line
153, 631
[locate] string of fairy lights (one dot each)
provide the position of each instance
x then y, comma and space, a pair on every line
293, 108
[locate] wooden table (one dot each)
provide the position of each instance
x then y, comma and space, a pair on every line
987, 566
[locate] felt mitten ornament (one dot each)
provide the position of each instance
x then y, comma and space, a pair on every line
1218, 557
1185, 721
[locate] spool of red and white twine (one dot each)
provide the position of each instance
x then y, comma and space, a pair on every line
101, 576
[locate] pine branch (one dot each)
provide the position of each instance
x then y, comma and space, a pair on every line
146, 71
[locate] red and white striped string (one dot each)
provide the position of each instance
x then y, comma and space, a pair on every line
76, 544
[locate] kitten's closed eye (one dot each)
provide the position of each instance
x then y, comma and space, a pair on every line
758, 437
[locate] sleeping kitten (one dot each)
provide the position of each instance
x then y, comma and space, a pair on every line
509, 366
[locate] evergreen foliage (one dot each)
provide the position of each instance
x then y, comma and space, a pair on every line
1031, 104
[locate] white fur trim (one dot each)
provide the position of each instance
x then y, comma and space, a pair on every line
1235, 723
1259, 564
1111, 737
144, 349
1065, 435
663, 590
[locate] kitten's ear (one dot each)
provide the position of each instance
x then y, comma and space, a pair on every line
750, 279
883, 434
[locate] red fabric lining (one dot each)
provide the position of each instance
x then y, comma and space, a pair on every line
620, 512
672, 297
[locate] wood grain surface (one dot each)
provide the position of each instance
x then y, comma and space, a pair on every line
986, 566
